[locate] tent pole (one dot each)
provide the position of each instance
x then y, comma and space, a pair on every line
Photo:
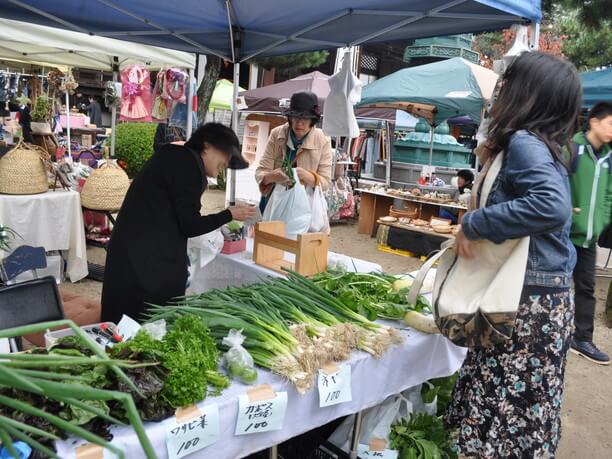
389, 159
114, 108
535, 36
190, 104
232, 181
431, 142
68, 121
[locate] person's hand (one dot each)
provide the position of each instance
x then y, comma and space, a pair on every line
306, 177
463, 246
243, 213
276, 176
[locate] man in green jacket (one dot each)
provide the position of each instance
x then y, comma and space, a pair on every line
591, 184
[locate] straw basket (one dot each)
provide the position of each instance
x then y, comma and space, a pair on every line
23, 170
105, 188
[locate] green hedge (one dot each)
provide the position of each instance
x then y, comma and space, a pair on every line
134, 144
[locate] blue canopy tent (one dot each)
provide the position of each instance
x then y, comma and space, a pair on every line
596, 87
238, 30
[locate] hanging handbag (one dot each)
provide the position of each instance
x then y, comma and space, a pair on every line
475, 301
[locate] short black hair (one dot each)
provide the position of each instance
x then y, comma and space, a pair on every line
466, 175
217, 135
600, 111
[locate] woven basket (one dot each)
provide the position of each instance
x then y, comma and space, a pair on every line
105, 188
23, 170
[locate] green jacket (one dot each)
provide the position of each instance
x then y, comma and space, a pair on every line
591, 184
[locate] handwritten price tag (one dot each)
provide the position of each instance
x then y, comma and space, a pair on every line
192, 429
261, 410
365, 451
334, 385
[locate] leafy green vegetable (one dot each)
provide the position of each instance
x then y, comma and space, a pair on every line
423, 436
442, 388
192, 358
373, 295
189, 359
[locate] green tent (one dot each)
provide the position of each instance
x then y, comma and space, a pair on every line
222, 96
597, 87
435, 91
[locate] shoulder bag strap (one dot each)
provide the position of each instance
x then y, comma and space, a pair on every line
417, 284
489, 180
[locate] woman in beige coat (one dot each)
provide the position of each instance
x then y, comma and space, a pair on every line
300, 143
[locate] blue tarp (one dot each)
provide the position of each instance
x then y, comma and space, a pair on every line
597, 87
271, 27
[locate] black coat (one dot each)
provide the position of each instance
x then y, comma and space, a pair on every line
147, 255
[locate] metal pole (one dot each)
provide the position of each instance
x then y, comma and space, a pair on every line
232, 178
389, 159
190, 104
535, 36
273, 452
356, 434
68, 121
431, 142
114, 112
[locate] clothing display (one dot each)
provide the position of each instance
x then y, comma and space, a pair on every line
135, 93
345, 91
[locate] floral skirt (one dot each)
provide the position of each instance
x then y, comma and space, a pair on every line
507, 401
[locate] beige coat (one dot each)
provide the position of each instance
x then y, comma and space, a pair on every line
316, 155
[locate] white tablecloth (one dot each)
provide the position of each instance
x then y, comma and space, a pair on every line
419, 358
52, 220
239, 269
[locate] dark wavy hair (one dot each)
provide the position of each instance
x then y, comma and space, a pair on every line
539, 93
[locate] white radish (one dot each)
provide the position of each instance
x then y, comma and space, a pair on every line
421, 322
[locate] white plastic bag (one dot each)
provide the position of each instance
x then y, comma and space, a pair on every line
319, 223
290, 206
376, 422
237, 360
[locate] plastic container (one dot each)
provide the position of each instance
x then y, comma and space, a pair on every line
53, 336
230, 247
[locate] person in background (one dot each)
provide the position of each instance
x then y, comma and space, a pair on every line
94, 111
507, 401
591, 183
147, 255
465, 180
301, 144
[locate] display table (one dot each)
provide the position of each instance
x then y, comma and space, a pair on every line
76, 121
52, 220
240, 269
419, 358
376, 204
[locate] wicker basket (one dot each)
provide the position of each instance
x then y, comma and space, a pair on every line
23, 170
403, 213
105, 188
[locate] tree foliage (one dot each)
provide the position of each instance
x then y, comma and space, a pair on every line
292, 65
564, 32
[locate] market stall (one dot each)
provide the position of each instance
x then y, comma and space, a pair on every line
420, 358
239, 31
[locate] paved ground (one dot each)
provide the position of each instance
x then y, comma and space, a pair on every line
587, 409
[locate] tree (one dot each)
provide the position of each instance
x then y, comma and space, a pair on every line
587, 48
493, 45
292, 65
205, 91
592, 13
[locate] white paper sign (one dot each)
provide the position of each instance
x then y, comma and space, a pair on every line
364, 451
127, 327
184, 438
335, 386
262, 415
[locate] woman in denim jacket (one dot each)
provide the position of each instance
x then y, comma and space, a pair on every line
507, 402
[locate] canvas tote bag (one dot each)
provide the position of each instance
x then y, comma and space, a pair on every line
475, 301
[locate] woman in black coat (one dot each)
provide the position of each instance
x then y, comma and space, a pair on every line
147, 255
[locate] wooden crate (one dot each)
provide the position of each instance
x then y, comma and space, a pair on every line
270, 245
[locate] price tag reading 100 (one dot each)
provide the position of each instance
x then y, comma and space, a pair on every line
189, 433
261, 412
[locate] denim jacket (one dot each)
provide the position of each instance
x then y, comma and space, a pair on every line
531, 197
